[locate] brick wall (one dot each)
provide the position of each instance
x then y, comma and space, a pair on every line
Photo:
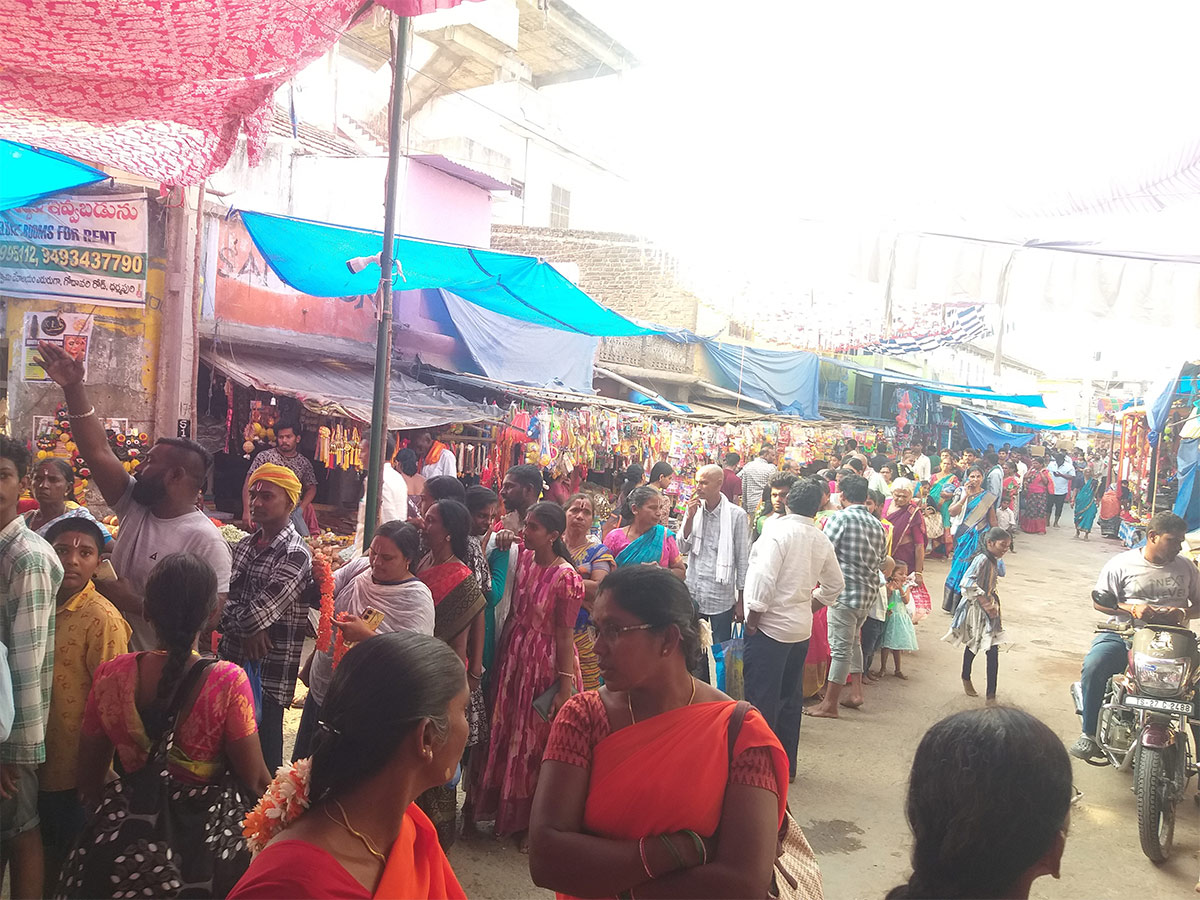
624, 273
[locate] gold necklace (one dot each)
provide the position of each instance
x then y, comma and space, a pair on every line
345, 823
629, 700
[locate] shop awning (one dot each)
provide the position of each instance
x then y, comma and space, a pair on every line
312, 257
339, 389
940, 388
28, 173
982, 431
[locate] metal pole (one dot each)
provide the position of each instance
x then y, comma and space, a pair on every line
381, 399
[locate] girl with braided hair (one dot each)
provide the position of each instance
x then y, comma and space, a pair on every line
135, 699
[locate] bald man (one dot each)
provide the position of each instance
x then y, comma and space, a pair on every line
157, 507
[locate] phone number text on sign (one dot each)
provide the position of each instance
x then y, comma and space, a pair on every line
77, 249
71, 259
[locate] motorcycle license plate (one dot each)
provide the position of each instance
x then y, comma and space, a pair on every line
1175, 706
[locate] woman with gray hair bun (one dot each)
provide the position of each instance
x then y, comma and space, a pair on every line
645, 540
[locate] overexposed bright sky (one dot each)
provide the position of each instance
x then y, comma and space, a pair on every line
744, 118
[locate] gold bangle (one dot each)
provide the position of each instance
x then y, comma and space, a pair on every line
75, 417
570, 675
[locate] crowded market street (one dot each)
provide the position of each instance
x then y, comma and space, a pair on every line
849, 795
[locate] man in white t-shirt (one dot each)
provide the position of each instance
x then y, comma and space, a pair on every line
434, 456
157, 507
393, 500
1156, 576
1062, 471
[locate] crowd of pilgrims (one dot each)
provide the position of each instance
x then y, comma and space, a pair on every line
502, 649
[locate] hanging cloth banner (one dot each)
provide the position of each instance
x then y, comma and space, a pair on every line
315, 258
981, 431
787, 379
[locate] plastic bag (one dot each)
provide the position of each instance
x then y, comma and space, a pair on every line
730, 667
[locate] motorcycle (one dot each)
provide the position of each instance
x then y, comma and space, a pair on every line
1146, 719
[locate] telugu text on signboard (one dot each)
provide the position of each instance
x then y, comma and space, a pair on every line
78, 249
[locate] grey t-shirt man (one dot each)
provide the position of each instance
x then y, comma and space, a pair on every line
144, 539
1131, 577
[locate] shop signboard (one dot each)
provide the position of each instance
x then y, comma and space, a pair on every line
77, 249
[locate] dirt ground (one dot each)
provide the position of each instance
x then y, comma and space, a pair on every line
850, 791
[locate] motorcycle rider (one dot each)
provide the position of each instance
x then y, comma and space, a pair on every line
1153, 575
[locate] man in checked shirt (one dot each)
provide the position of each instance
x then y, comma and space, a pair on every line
861, 547
263, 623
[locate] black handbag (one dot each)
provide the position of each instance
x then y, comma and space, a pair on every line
154, 835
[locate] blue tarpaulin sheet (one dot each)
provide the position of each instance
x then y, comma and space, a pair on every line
787, 379
312, 256
1031, 400
27, 174
940, 388
982, 431
522, 353
1187, 500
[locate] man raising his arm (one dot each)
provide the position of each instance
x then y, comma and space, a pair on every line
157, 507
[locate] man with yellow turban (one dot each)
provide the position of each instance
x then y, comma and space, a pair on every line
286, 453
263, 623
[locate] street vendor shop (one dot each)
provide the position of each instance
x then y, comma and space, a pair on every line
1156, 455
244, 394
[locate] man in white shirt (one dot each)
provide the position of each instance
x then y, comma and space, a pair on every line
716, 538
792, 565
393, 500
434, 456
921, 468
1061, 470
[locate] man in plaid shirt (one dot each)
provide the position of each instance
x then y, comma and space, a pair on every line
861, 547
263, 624
30, 574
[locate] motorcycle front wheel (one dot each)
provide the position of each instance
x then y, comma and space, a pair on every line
1154, 777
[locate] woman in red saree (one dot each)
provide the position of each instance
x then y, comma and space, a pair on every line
372, 744
639, 793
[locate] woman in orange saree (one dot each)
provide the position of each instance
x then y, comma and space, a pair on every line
639, 794
320, 830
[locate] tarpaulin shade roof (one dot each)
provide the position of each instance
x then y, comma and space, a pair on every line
28, 174
786, 379
981, 431
334, 388
312, 256
943, 389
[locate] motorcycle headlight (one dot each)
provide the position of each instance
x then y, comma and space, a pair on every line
1160, 676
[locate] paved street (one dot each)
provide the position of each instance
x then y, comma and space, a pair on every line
850, 793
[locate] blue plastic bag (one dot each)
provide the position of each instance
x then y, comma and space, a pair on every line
729, 657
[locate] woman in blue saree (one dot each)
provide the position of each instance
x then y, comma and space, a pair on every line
978, 510
941, 495
644, 540
1086, 506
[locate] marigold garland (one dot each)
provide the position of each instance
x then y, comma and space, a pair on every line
339, 647
285, 800
323, 575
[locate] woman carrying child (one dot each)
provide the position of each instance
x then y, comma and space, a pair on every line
976, 625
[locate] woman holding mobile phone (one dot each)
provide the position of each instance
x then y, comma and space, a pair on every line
383, 581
